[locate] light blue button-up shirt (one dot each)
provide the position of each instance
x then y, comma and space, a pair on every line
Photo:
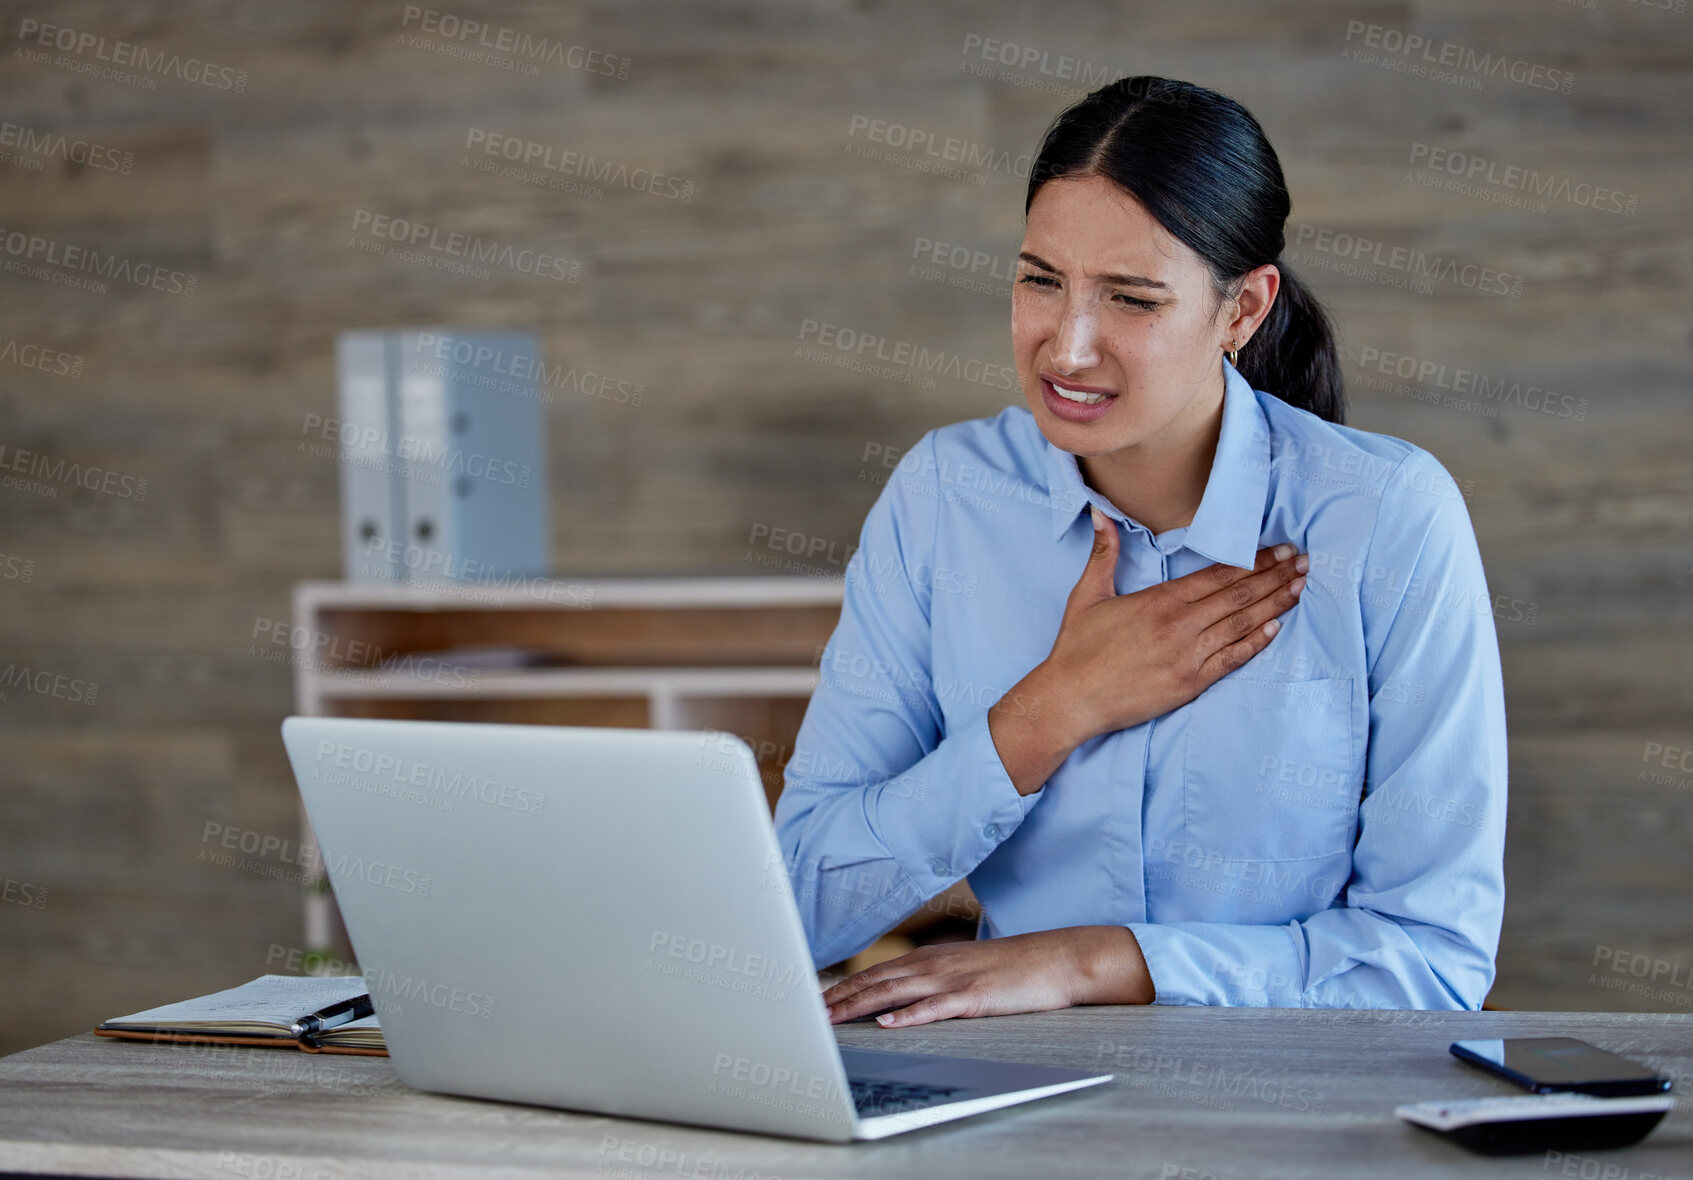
1323, 827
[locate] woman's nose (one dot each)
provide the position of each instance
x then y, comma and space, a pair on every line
1077, 345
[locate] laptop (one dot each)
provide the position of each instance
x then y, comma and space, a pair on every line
601, 920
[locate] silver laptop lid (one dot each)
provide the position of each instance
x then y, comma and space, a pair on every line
591, 918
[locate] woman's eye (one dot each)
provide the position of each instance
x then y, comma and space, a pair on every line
1047, 282
1143, 304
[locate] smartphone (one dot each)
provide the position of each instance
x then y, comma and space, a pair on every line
1550, 1065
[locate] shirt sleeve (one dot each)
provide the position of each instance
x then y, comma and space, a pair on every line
1417, 924
882, 807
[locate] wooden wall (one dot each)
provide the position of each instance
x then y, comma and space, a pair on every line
253, 186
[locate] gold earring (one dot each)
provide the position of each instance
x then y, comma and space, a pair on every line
1233, 354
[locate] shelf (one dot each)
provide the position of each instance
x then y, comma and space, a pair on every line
734, 654
668, 592
568, 682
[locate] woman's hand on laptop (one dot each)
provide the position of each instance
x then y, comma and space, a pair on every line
1034, 972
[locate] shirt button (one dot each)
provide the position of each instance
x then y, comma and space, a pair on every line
991, 831
940, 868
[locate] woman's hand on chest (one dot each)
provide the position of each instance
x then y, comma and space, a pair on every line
1126, 658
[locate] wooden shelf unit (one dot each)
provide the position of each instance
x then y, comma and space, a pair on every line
727, 653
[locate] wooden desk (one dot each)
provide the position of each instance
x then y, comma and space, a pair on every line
1199, 1093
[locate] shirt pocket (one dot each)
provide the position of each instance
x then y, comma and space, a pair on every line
1272, 770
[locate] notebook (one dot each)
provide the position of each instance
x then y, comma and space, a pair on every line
269, 1010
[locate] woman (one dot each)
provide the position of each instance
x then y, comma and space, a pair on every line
1241, 740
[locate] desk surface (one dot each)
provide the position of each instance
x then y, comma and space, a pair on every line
1199, 1092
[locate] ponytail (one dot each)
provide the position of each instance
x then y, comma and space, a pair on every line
1293, 353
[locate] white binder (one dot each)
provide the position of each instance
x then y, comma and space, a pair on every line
370, 514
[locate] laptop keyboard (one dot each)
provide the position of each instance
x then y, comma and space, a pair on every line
876, 1096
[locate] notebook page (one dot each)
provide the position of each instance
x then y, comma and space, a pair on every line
268, 1000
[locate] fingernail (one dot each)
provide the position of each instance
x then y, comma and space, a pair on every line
1272, 626
1297, 586
1098, 517
1303, 564
885, 1019
1283, 552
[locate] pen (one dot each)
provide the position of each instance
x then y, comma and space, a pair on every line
344, 1012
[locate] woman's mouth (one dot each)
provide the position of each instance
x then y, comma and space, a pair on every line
1075, 403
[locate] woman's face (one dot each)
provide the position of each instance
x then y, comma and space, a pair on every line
1107, 301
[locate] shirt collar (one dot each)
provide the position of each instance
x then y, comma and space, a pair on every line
1231, 512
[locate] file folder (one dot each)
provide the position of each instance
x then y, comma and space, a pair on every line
443, 456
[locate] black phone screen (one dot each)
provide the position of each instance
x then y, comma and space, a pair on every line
1560, 1063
